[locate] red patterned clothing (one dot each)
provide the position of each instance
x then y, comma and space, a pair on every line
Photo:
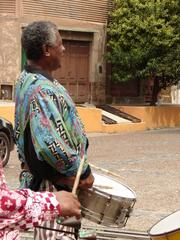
23, 209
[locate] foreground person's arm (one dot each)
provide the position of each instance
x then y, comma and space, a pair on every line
23, 209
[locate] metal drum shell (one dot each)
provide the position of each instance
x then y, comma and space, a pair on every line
175, 235
106, 209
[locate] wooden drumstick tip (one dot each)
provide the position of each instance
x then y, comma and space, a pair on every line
78, 175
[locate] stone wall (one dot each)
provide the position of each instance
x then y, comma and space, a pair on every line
9, 58
13, 20
10, 53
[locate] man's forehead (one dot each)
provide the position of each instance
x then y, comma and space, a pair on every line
58, 37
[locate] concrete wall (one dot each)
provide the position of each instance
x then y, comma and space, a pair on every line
9, 56
7, 111
91, 117
152, 118
156, 117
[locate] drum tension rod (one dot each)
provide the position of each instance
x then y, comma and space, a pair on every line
109, 198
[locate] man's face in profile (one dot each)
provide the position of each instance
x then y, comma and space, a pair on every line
56, 53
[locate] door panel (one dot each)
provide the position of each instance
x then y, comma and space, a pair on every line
74, 73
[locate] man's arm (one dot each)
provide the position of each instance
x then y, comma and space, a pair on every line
54, 139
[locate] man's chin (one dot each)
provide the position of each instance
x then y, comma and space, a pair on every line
57, 67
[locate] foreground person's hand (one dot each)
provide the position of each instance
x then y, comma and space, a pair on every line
69, 203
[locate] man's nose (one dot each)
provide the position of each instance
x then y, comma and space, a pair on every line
63, 48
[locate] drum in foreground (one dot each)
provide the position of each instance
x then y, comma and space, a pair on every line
108, 202
167, 229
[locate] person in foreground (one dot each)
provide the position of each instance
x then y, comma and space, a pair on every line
50, 137
23, 209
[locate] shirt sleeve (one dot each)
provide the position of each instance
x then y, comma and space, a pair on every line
50, 124
23, 209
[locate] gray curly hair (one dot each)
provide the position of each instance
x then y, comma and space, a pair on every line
35, 35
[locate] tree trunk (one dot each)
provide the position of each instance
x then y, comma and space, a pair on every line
155, 91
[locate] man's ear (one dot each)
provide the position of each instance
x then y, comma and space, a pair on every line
45, 49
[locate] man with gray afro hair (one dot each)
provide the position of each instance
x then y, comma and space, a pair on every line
49, 134
35, 36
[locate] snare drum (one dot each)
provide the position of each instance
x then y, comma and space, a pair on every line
167, 229
108, 202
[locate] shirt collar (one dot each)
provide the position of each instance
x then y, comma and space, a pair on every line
32, 69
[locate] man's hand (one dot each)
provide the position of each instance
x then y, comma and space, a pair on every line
83, 184
69, 203
86, 183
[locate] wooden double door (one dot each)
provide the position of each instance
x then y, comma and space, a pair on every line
74, 72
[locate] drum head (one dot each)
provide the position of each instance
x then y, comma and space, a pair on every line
167, 225
112, 187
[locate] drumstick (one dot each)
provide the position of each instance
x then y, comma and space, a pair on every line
72, 220
78, 175
104, 170
102, 186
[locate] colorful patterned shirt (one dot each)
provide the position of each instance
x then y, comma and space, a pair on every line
23, 209
56, 130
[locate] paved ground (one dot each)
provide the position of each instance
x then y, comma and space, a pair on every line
148, 162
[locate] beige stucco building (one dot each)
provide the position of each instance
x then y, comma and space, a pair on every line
83, 27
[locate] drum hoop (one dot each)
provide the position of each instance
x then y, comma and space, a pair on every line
119, 183
114, 196
164, 233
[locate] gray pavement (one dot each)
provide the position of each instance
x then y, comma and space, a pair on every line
148, 162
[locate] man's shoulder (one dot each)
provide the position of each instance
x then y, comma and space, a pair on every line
30, 84
37, 80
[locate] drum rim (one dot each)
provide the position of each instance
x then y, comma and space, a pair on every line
114, 196
161, 234
135, 196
